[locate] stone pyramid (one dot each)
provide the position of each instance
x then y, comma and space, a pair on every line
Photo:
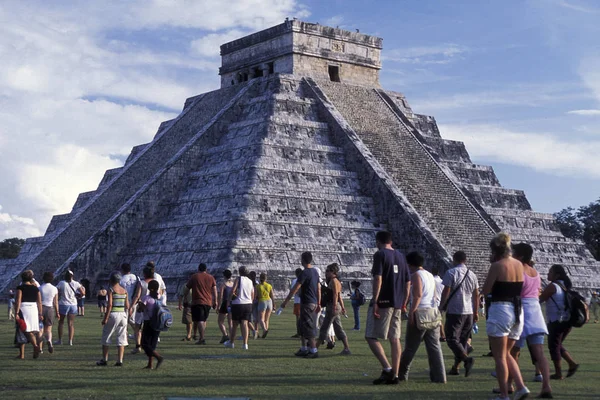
300, 149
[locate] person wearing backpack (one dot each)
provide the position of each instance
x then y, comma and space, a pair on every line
558, 314
114, 321
150, 335
357, 299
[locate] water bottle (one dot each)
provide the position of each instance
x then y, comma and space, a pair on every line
279, 311
475, 328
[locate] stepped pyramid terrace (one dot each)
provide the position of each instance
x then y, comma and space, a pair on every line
300, 149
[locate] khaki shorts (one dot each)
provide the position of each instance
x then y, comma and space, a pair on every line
115, 328
48, 313
388, 326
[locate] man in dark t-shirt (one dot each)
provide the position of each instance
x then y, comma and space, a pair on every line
391, 283
204, 296
310, 295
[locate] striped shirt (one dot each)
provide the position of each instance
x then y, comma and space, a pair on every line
118, 302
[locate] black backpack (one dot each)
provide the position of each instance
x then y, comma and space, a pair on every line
576, 305
326, 295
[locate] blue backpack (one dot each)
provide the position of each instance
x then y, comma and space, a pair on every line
162, 319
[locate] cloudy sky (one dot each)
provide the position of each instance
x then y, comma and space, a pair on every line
81, 83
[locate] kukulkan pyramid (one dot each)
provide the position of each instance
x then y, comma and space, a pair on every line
300, 149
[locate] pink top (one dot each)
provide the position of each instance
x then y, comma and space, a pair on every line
531, 286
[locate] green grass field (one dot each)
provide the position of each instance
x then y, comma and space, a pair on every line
268, 370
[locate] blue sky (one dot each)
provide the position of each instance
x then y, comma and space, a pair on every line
81, 83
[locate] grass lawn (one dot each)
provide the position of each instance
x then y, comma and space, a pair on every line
267, 371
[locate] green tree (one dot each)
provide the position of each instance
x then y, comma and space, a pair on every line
10, 248
583, 223
590, 219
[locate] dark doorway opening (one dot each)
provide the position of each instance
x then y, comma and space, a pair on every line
334, 73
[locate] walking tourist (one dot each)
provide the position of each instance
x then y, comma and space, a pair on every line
334, 309
424, 321
11, 305
460, 300
253, 322
149, 335
558, 316
162, 288
439, 288
296, 311
204, 296
310, 296
534, 326
102, 301
595, 306
49, 294
391, 283
141, 291
114, 322
505, 316
185, 306
67, 305
224, 311
129, 282
266, 303
28, 309
80, 295
240, 301
357, 299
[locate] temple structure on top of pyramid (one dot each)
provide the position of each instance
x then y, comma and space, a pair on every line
299, 150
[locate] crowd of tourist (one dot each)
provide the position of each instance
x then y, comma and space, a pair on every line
401, 289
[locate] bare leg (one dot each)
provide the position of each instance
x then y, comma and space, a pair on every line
61, 324
542, 365
137, 333
233, 331
188, 330
513, 366
499, 350
221, 323
22, 351
268, 318
71, 324
202, 328
120, 351
396, 354
105, 353
261, 319
244, 326
377, 350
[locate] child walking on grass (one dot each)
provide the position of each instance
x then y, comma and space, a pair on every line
149, 334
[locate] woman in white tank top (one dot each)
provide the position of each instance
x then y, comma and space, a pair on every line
423, 301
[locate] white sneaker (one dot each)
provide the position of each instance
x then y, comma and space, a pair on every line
245, 347
229, 344
70, 343
538, 378
521, 394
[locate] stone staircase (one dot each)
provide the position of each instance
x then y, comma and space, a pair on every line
270, 187
440, 203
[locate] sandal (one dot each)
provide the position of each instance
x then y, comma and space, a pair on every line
572, 371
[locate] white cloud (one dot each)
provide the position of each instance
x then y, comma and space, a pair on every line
334, 21
530, 95
577, 7
15, 226
542, 152
79, 81
438, 54
584, 112
209, 45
